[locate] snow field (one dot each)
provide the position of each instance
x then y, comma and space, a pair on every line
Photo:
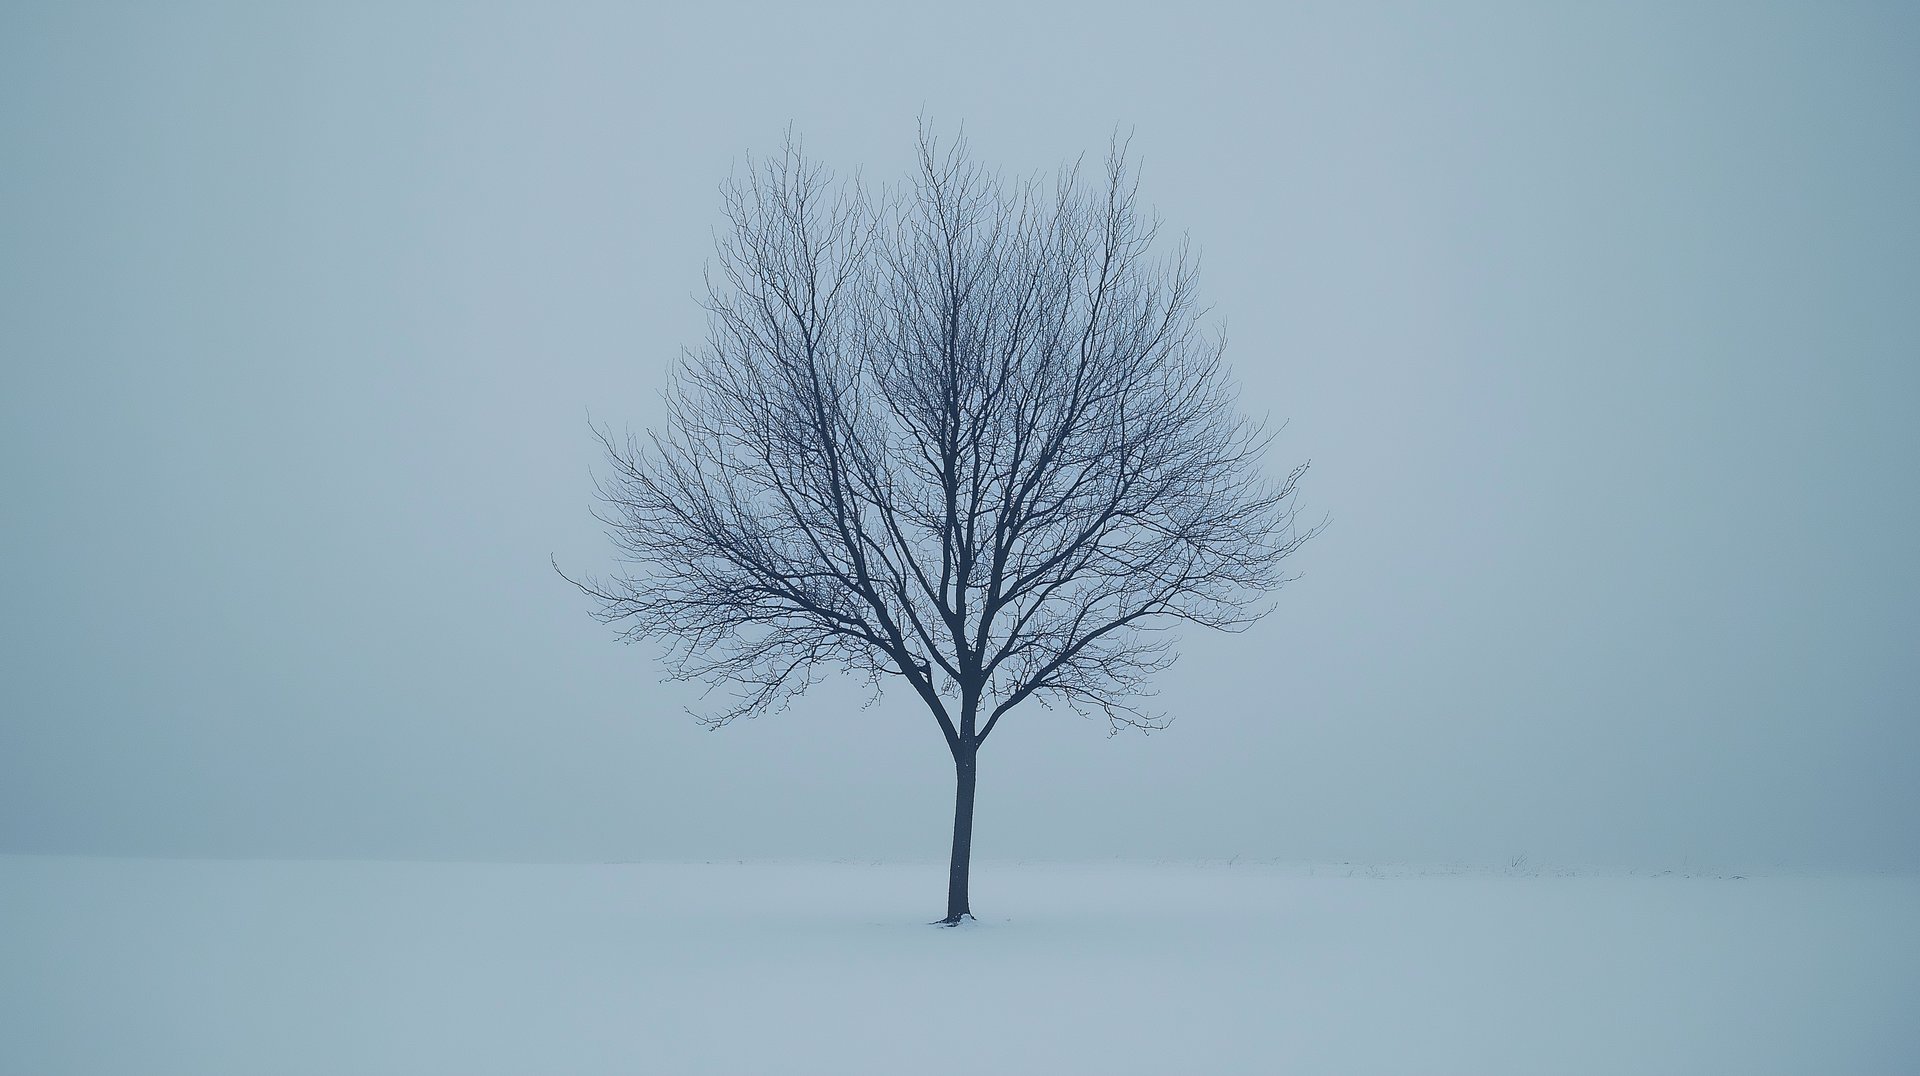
215, 967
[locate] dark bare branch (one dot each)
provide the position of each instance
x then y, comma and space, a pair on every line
969, 434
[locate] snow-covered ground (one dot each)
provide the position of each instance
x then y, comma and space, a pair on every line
152, 966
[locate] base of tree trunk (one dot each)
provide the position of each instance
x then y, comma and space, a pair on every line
952, 920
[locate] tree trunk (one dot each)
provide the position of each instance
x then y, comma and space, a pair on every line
964, 772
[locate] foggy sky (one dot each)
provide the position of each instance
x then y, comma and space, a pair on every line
1600, 328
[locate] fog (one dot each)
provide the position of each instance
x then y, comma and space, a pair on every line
1599, 328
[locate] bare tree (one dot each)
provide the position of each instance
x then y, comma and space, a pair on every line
967, 434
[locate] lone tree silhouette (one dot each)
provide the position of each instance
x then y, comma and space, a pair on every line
967, 434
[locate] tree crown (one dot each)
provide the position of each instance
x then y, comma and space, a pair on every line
969, 433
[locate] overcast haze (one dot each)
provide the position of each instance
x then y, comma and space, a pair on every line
1601, 329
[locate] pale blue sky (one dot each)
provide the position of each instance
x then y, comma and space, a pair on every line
1600, 327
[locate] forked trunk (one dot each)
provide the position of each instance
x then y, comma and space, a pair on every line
964, 772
